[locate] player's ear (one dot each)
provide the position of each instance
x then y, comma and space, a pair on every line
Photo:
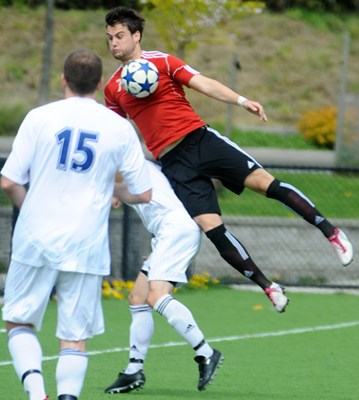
137, 36
63, 81
100, 84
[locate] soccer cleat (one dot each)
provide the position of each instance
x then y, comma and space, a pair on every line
127, 382
208, 368
66, 397
275, 294
342, 246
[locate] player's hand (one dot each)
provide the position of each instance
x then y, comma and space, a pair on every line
115, 202
255, 108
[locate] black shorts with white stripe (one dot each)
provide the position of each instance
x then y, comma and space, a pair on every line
201, 156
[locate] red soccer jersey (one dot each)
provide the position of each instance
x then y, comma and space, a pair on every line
164, 116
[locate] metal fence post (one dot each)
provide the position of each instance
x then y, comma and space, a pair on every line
135, 244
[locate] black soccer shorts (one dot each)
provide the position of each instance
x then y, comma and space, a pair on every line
204, 154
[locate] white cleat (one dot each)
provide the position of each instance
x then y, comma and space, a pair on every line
275, 294
342, 246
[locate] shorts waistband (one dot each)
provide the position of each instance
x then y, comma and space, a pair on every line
178, 147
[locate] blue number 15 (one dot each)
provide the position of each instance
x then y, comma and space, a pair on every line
83, 155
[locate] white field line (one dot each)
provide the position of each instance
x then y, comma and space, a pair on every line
221, 339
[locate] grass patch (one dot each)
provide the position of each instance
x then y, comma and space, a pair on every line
297, 355
333, 194
257, 138
10, 119
324, 21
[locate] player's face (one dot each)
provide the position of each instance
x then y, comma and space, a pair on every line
124, 45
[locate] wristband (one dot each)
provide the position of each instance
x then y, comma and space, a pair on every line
241, 100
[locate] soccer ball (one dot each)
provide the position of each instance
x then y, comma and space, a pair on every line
139, 78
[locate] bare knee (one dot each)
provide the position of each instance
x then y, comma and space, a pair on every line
157, 289
259, 181
136, 298
152, 298
11, 325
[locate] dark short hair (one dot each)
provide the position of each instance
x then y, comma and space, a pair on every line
82, 71
126, 16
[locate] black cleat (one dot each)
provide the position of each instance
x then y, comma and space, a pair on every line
208, 368
127, 382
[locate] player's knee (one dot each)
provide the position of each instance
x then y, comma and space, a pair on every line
136, 298
273, 189
154, 294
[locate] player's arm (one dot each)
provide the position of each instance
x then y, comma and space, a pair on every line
122, 194
15, 192
218, 91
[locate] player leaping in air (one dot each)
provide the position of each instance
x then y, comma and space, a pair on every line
191, 153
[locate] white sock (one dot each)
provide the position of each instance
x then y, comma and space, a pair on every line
141, 332
70, 372
181, 318
26, 354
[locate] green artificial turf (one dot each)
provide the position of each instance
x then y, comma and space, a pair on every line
308, 352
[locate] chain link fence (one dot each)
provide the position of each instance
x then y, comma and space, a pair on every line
285, 247
347, 143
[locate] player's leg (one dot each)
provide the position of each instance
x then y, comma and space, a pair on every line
80, 317
191, 181
26, 353
27, 291
264, 183
178, 316
183, 322
178, 244
233, 251
141, 332
142, 325
71, 369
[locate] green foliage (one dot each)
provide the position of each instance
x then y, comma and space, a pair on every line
314, 5
188, 18
332, 22
71, 4
10, 119
319, 126
16, 71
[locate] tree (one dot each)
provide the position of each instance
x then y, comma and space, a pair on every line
179, 22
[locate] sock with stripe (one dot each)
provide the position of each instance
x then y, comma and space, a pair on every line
70, 372
181, 319
231, 249
141, 332
26, 353
298, 203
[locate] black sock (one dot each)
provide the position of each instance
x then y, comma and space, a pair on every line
236, 255
298, 203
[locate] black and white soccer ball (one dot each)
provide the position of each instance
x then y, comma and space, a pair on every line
139, 78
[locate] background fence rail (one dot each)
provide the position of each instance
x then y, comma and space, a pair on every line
284, 246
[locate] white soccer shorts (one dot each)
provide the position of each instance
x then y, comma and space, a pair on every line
173, 248
79, 309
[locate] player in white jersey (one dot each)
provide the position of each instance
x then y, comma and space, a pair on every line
176, 239
69, 152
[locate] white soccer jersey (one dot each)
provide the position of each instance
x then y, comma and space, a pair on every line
164, 201
176, 236
69, 151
